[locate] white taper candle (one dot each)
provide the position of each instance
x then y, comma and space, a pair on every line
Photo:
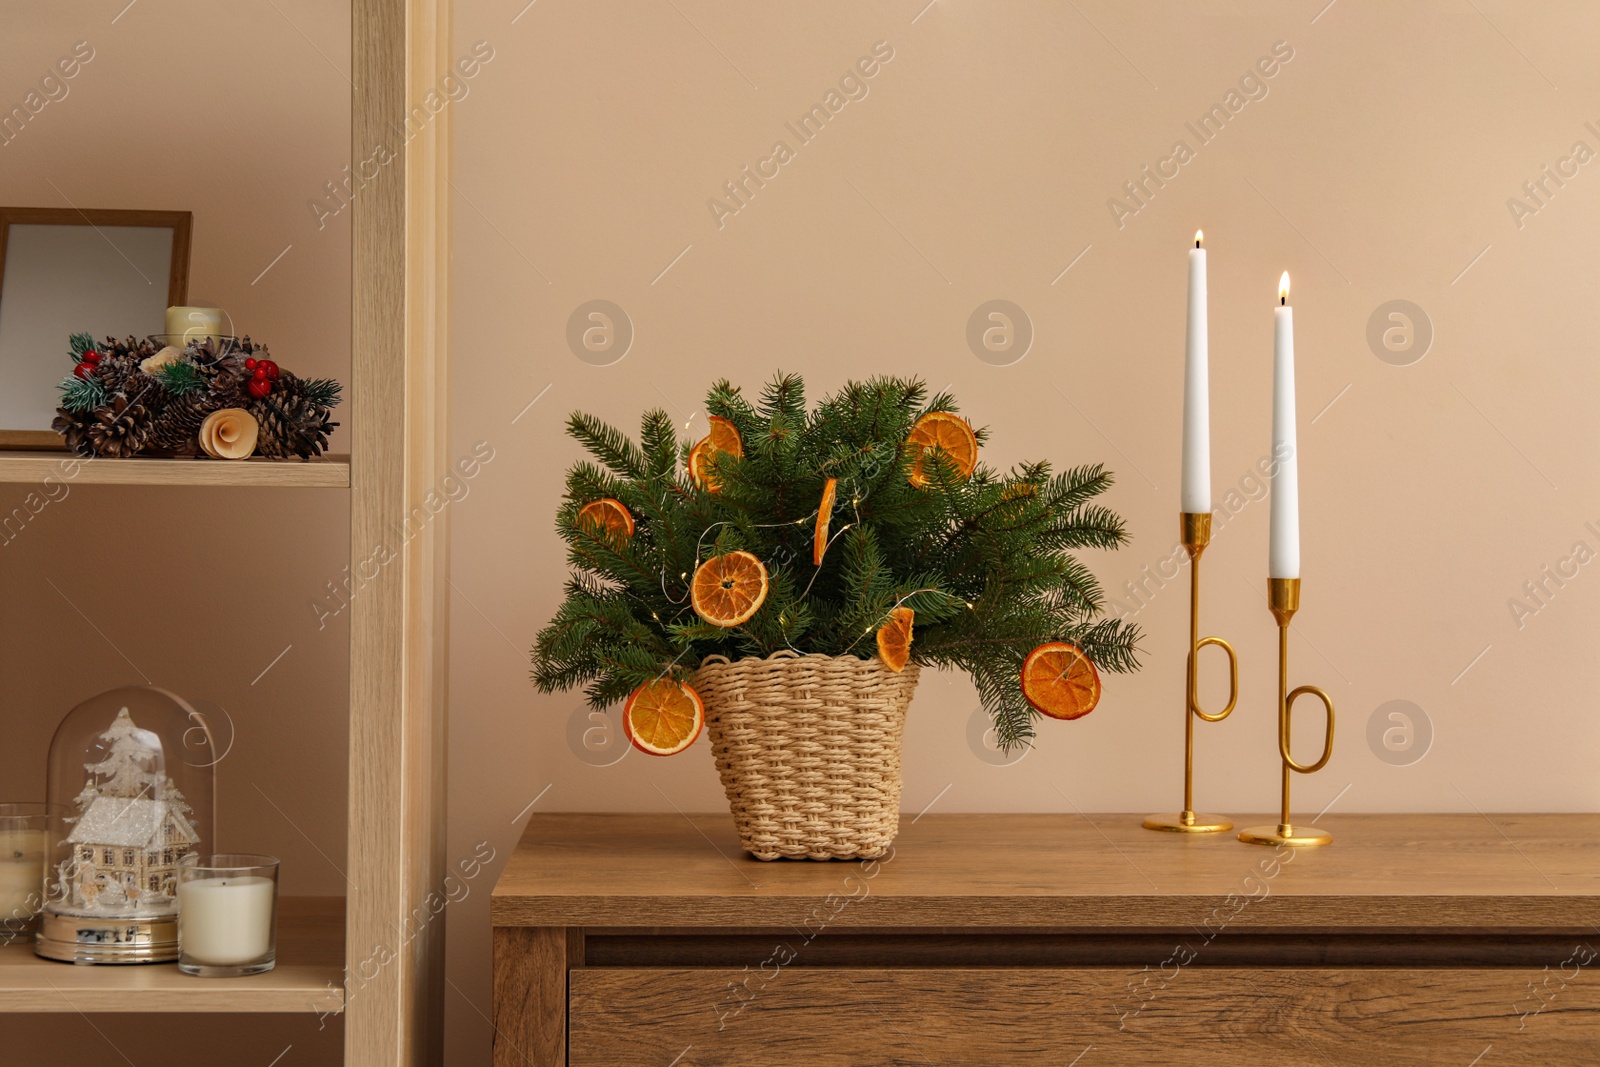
1194, 491
1283, 543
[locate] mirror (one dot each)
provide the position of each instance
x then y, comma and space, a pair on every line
107, 273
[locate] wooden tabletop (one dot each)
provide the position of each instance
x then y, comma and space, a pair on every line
1428, 872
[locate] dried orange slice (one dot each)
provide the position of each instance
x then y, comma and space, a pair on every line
663, 717
951, 435
724, 437
609, 516
699, 470
728, 589
894, 639
1059, 681
819, 543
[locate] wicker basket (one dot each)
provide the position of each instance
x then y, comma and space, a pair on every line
808, 748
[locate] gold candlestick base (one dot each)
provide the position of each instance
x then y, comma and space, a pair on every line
1188, 822
1195, 528
1283, 598
1283, 834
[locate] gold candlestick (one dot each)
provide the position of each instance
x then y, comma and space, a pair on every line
1283, 597
1196, 528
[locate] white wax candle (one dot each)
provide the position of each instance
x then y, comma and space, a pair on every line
1283, 543
225, 920
1194, 491
194, 323
21, 873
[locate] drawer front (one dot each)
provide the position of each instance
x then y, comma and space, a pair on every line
1111, 1016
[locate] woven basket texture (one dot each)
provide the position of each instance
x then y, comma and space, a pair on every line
808, 748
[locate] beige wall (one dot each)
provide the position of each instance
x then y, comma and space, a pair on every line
227, 111
1376, 168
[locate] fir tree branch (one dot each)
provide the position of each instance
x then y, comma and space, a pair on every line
608, 445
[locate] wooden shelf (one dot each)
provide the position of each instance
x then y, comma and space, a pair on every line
310, 956
328, 472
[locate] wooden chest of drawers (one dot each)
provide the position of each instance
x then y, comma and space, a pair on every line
1045, 939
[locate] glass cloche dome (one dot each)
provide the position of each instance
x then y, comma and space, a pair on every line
130, 782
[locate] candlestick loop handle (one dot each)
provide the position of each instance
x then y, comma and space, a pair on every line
1194, 683
1283, 737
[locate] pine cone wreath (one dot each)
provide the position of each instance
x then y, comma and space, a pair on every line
122, 429
131, 396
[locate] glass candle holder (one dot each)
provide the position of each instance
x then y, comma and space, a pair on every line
24, 844
227, 914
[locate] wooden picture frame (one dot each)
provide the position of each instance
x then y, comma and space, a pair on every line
181, 223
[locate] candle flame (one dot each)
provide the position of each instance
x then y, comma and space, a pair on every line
1283, 288
1197, 237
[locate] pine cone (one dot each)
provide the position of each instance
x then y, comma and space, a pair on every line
288, 387
290, 425
121, 429
73, 426
176, 430
228, 378
120, 373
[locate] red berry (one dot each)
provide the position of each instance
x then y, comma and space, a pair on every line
260, 388
272, 368
260, 375
83, 370
250, 364
92, 356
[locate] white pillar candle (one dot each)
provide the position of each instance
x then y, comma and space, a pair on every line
1283, 543
1194, 491
225, 920
192, 324
21, 874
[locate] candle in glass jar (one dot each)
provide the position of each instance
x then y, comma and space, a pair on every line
225, 920
21, 874
1283, 543
1194, 490
194, 324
